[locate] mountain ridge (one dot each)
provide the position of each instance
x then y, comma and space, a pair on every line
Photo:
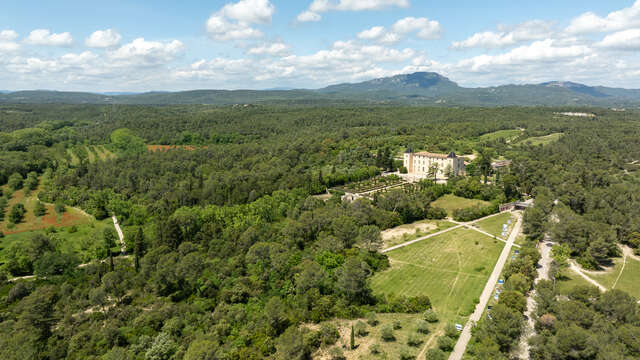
418, 88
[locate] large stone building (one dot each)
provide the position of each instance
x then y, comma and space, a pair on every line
421, 165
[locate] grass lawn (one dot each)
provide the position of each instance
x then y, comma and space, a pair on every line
407, 232
543, 140
627, 282
493, 225
451, 202
451, 269
568, 281
500, 134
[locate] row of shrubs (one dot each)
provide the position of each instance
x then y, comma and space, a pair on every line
475, 212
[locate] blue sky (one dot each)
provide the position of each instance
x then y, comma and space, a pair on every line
141, 45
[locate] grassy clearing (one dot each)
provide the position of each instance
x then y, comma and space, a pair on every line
403, 233
81, 240
451, 202
627, 282
451, 269
500, 134
103, 153
543, 140
493, 225
389, 349
569, 280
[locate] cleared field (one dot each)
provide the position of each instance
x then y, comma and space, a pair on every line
493, 225
451, 202
403, 233
627, 281
451, 269
155, 148
500, 134
543, 140
81, 239
389, 349
90, 153
30, 222
568, 281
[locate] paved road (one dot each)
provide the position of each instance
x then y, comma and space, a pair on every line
543, 274
123, 246
465, 336
467, 225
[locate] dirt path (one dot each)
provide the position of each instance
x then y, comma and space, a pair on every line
543, 274
465, 336
123, 246
460, 224
578, 270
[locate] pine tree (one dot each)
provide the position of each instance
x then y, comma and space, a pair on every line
353, 338
138, 247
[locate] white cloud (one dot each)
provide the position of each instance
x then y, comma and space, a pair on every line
537, 52
45, 37
8, 35
422, 27
273, 49
321, 6
622, 40
529, 30
233, 21
103, 39
142, 52
622, 19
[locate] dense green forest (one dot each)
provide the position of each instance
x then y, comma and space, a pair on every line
229, 252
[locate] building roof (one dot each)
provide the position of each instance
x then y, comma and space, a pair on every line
438, 156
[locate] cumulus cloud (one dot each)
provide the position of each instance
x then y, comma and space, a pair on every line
143, 52
273, 49
505, 36
234, 21
622, 40
45, 37
537, 52
422, 27
103, 39
7, 43
8, 35
622, 19
321, 6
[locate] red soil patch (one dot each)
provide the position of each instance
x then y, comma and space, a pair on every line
155, 148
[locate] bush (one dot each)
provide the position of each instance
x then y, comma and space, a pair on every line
430, 316
446, 343
59, 207
414, 340
15, 181
329, 334
39, 209
397, 325
372, 318
72, 229
422, 327
451, 331
405, 354
387, 333
335, 353
361, 329
435, 354
474, 212
375, 349
17, 213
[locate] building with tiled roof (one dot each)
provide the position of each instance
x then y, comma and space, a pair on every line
423, 164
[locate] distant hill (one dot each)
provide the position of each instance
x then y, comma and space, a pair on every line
420, 88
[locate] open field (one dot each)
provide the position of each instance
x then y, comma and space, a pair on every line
627, 281
493, 225
501, 134
407, 232
90, 153
451, 202
81, 240
451, 269
389, 349
568, 281
543, 140
30, 222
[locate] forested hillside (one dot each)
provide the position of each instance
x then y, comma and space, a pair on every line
231, 256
